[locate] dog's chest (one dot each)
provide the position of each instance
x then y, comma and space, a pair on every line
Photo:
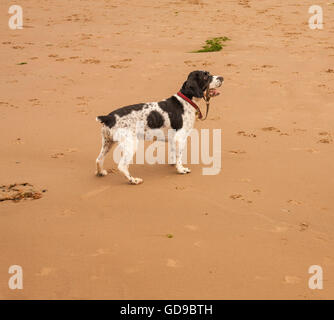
189, 116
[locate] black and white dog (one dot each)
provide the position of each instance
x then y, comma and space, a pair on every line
177, 113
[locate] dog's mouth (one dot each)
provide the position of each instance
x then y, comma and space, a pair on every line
210, 93
212, 89
213, 92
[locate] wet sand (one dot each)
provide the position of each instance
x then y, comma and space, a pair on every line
250, 232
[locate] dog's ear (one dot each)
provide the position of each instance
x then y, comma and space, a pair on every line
192, 88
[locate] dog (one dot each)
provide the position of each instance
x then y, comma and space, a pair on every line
177, 113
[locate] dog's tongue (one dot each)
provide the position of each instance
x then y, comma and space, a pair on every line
214, 92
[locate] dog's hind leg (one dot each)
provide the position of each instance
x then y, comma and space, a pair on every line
129, 148
107, 143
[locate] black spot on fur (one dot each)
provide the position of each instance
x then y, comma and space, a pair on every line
155, 120
110, 119
128, 109
175, 110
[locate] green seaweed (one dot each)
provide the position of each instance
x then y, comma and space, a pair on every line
212, 45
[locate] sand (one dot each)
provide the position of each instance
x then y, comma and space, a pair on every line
250, 232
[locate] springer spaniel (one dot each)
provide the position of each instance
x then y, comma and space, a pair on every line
177, 114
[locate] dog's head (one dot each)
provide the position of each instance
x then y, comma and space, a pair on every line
199, 82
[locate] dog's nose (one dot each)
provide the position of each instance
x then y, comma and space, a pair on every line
221, 79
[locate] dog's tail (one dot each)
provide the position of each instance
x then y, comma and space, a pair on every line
109, 120
102, 119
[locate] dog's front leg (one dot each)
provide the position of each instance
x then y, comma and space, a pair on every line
180, 143
171, 147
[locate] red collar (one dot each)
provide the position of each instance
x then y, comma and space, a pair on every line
192, 103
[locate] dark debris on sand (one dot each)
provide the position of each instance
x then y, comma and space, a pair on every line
19, 191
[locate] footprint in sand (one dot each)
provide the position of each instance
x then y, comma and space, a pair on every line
327, 137
35, 102
294, 202
7, 104
90, 61
244, 3
245, 134
303, 226
237, 151
62, 154
271, 129
195, 2
190, 63
239, 196
117, 66
86, 36
236, 196
18, 141
267, 66
260, 68
58, 155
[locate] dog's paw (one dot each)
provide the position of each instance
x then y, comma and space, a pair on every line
136, 180
183, 170
101, 173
